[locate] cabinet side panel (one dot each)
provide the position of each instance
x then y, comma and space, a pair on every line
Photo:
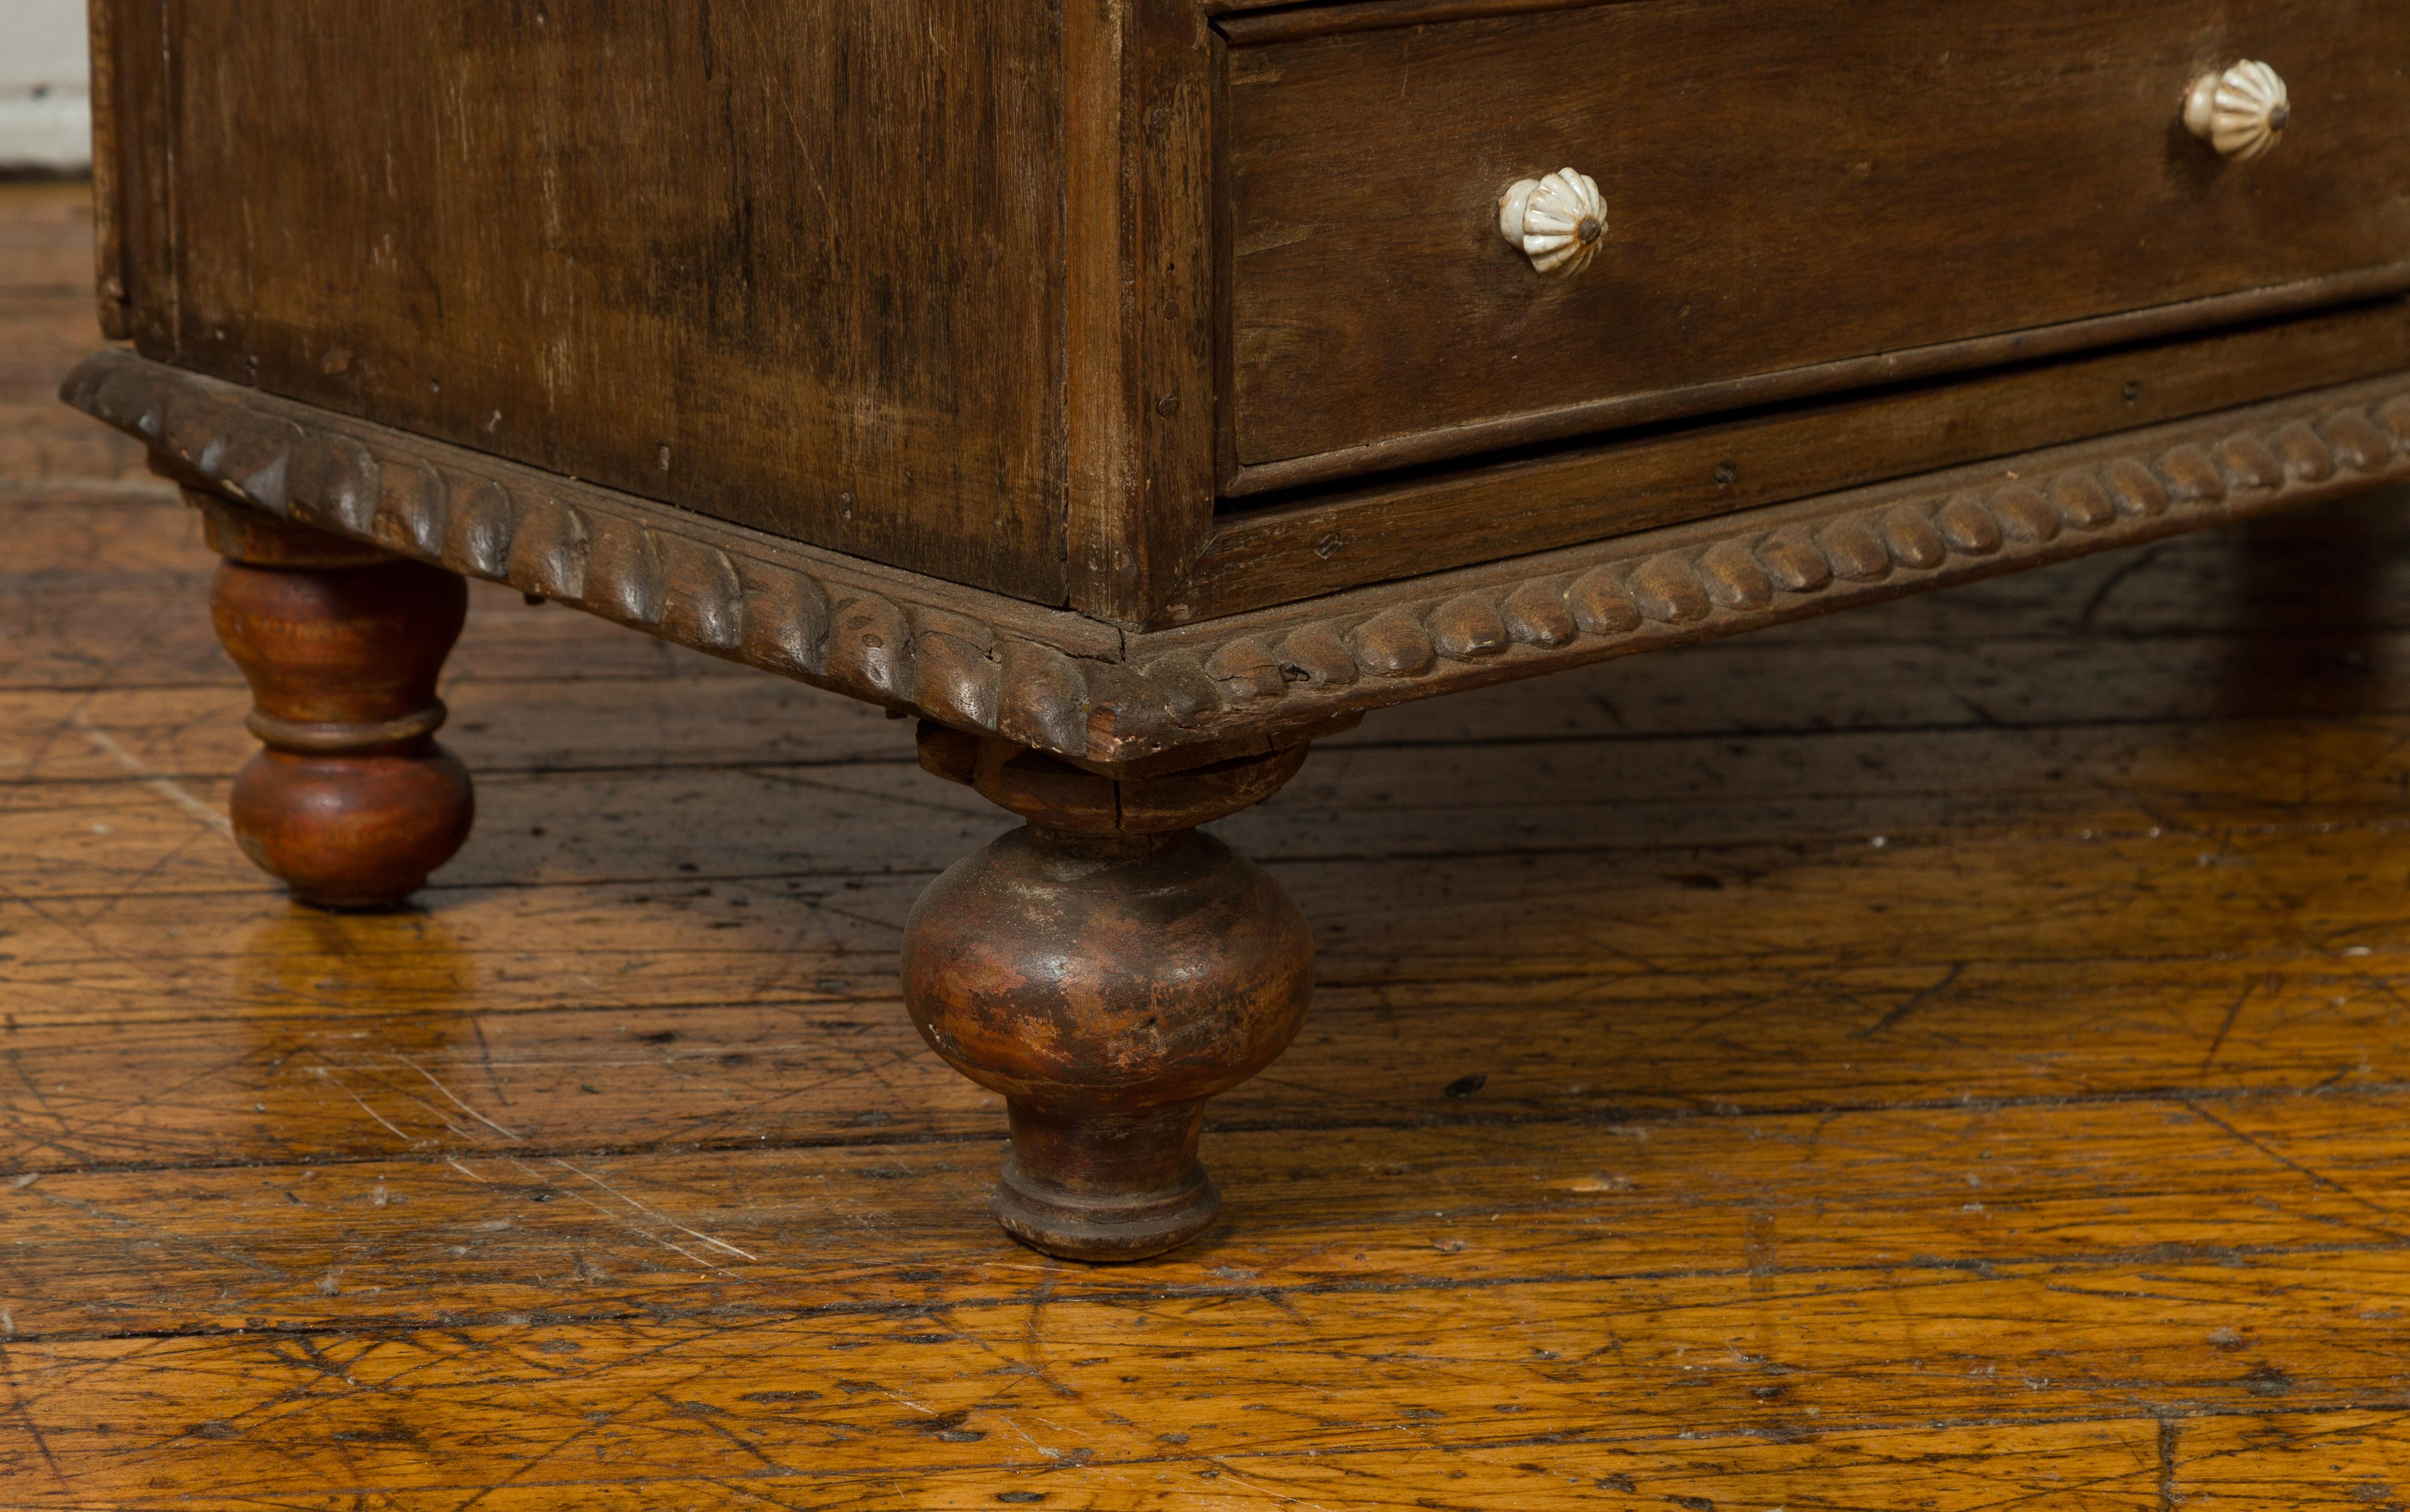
139, 99
108, 220
796, 265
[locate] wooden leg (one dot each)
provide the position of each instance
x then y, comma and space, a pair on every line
1108, 969
352, 803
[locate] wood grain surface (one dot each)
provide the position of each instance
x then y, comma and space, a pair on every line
1948, 1055
1787, 183
797, 266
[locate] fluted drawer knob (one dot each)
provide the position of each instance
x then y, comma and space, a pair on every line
1557, 222
2242, 112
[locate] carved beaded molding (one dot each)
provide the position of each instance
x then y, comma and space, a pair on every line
1063, 683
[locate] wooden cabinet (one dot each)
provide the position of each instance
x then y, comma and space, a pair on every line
1136, 391
1102, 309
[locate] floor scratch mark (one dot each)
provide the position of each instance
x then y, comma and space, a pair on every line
166, 788
456, 1098
655, 1213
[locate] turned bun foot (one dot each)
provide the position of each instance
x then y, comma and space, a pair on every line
358, 831
352, 803
1107, 986
1107, 982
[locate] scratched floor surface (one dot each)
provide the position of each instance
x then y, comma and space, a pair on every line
1951, 1057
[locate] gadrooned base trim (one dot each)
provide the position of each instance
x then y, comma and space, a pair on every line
1060, 682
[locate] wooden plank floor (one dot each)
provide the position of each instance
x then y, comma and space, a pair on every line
1949, 1056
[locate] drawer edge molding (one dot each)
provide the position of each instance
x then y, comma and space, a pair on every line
1875, 371
1130, 702
1253, 23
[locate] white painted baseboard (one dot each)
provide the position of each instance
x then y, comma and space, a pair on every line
45, 102
48, 133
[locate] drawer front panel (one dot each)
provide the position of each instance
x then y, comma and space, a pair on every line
1790, 185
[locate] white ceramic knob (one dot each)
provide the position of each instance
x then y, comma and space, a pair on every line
1557, 222
2242, 112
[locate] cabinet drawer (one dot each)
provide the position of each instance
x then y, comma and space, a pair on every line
1800, 196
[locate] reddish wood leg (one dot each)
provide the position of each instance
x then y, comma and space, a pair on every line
351, 802
1108, 969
